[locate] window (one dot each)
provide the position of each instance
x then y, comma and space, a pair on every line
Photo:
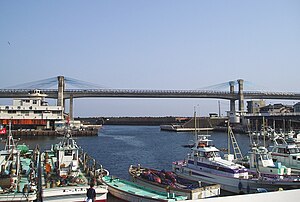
34, 102
68, 152
216, 154
264, 157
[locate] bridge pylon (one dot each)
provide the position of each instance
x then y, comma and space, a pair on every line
60, 92
232, 101
241, 94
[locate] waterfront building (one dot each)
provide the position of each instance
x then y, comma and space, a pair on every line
276, 108
33, 112
297, 107
253, 106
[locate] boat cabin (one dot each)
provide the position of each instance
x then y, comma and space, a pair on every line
287, 154
261, 161
67, 153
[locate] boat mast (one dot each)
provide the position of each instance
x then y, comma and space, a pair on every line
264, 131
195, 123
228, 137
10, 143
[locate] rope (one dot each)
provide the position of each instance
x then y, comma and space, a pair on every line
52, 82
49, 83
40, 84
82, 84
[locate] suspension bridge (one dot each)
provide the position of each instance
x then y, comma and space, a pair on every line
62, 88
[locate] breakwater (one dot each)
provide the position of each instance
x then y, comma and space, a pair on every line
153, 121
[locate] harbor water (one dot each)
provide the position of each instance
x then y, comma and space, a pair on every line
117, 147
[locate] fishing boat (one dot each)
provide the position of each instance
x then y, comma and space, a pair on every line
206, 164
261, 162
68, 171
286, 153
167, 180
130, 191
17, 171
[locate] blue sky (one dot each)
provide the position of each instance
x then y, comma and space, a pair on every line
151, 45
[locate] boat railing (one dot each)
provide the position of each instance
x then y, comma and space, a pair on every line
180, 163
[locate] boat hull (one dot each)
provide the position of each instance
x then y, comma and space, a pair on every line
232, 184
130, 191
130, 197
75, 193
290, 161
18, 197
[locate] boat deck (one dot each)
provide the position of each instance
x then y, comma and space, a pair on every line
135, 189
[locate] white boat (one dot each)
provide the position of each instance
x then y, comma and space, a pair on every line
205, 164
286, 153
67, 173
17, 172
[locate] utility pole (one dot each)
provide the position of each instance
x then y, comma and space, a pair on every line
219, 108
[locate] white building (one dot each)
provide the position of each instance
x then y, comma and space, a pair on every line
32, 112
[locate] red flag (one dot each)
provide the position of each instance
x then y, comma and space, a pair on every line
3, 131
68, 119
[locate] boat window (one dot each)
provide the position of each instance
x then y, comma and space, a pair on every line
279, 141
68, 152
293, 151
216, 154
281, 150
208, 154
264, 157
201, 154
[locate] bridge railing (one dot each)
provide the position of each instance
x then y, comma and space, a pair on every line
145, 91
137, 91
